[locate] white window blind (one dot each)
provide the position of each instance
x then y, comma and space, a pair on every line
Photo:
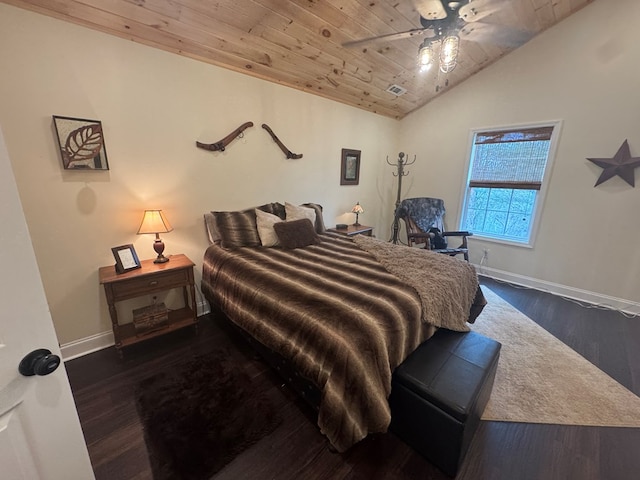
510, 158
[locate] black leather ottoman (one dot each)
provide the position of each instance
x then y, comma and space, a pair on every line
439, 393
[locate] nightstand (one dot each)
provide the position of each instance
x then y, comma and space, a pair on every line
352, 230
150, 278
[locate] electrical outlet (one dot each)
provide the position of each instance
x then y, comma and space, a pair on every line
485, 257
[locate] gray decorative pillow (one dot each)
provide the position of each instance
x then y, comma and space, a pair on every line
265, 222
294, 212
296, 233
319, 223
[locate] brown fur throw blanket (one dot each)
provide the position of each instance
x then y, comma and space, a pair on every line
338, 317
446, 286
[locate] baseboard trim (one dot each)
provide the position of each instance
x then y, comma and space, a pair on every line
605, 301
203, 308
87, 345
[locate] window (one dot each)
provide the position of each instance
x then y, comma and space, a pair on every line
506, 176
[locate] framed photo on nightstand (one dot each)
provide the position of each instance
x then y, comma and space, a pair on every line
126, 258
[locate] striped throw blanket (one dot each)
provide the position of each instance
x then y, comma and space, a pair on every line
333, 310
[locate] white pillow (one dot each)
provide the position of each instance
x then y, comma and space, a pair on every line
298, 213
265, 222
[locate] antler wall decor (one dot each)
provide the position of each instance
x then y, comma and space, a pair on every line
220, 145
400, 164
284, 149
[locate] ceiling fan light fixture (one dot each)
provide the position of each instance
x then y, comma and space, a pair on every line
449, 53
425, 56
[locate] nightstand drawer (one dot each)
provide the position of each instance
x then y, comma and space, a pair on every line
150, 283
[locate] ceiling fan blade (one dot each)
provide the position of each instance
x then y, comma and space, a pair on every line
500, 35
479, 10
430, 9
483, 10
426, 32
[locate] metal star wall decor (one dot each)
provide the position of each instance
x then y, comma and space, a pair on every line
622, 164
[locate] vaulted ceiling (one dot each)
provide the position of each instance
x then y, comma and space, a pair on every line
299, 43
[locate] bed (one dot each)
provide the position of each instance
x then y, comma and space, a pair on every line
329, 307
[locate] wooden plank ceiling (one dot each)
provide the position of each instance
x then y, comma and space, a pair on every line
298, 43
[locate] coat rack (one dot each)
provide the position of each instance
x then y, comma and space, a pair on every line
400, 165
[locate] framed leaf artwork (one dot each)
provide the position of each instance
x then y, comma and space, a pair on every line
81, 143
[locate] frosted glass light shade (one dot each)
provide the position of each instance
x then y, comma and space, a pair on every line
425, 56
449, 53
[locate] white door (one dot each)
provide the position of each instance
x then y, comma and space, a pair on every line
40, 434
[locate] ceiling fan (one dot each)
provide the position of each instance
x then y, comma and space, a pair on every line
445, 22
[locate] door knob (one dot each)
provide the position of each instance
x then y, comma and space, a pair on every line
39, 362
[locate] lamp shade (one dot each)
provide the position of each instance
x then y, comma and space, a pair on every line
154, 221
357, 208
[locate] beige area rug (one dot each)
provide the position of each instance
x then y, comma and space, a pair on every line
541, 380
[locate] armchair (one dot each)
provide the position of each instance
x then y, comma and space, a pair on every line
422, 214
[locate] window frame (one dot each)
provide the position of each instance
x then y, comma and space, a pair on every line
542, 192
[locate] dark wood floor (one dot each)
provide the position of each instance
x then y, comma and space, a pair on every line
103, 389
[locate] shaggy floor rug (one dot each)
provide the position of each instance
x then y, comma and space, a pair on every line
541, 380
200, 416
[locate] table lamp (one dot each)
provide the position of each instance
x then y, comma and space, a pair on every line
357, 209
154, 221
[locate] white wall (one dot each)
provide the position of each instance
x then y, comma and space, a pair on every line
154, 106
585, 72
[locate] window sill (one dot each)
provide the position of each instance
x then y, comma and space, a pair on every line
479, 236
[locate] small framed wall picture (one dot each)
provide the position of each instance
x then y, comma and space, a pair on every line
81, 143
350, 167
126, 258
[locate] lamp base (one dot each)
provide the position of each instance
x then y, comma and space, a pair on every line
356, 224
158, 246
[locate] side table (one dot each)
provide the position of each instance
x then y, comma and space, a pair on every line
352, 230
150, 278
